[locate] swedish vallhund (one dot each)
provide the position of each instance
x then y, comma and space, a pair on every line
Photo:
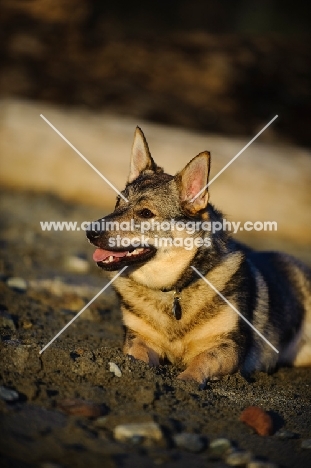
172, 313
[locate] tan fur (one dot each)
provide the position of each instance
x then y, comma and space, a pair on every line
139, 350
303, 348
260, 316
187, 346
156, 327
299, 350
211, 333
169, 312
212, 364
160, 273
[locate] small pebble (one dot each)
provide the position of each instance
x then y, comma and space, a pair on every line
6, 320
8, 395
306, 444
115, 369
220, 447
130, 432
76, 264
258, 420
17, 283
241, 458
73, 303
78, 407
101, 422
261, 464
283, 434
190, 442
26, 324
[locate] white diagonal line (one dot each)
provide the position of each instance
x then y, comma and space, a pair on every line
235, 309
83, 157
233, 159
82, 310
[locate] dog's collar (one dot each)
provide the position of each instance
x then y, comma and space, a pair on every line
177, 289
176, 307
168, 289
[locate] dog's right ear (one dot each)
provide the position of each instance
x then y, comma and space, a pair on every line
141, 159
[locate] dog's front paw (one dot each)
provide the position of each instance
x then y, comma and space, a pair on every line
211, 364
190, 375
144, 353
186, 375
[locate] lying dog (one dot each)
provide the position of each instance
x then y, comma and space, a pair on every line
248, 310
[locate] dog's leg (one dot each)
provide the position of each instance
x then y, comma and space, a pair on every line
135, 347
212, 364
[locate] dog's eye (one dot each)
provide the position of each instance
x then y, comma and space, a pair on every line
145, 213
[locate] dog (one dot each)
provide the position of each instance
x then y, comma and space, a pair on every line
192, 296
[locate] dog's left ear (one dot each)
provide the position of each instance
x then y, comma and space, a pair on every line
141, 159
191, 183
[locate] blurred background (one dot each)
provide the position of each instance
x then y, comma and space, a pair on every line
218, 66
194, 74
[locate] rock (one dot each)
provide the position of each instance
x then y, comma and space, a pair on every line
58, 287
101, 421
241, 458
261, 464
73, 303
78, 407
283, 434
306, 444
6, 320
26, 324
220, 447
190, 442
8, 395
115, 369
76, 264
135, 431
17, 283
257, 419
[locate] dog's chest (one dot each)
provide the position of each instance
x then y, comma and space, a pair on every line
153, 319
149, 313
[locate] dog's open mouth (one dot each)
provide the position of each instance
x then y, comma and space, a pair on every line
116, 259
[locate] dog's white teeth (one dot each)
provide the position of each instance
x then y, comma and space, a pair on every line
135, 252
110, 259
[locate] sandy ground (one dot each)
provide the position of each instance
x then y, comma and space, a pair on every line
35, 429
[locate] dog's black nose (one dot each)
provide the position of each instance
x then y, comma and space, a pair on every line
93, 232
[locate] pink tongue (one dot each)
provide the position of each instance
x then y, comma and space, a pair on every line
99, 255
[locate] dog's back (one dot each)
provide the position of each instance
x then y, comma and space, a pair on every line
288, 303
